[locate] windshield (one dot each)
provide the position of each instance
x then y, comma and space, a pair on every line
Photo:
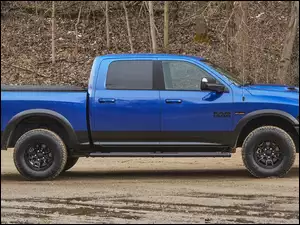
225, 73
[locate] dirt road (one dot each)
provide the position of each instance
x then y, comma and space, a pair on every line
144, 190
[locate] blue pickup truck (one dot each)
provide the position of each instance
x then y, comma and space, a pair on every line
151, 105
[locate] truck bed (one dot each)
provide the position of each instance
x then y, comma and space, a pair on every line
43, 88
68, 101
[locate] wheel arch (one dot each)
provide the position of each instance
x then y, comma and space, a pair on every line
8, 134
259, 118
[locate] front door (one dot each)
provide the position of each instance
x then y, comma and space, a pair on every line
188, 113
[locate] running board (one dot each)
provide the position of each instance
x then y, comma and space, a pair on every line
159, 144
162, 154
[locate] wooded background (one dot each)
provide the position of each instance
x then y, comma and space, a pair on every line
44, 42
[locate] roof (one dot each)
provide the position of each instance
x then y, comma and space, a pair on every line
151, 55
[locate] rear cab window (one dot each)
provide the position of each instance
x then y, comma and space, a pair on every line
130, 75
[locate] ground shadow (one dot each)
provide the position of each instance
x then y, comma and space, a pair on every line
153, 174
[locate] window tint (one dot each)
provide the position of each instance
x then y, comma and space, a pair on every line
181, 75
130, 75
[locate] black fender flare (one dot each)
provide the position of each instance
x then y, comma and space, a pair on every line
13, 123
260, 113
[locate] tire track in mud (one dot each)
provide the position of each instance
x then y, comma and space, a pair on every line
244, 209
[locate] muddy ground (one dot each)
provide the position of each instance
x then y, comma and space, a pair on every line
150, 190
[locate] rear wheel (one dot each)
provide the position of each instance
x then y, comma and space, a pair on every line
40, 154
269, 152
71, 161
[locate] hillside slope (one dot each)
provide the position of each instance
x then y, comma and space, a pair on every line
26, 38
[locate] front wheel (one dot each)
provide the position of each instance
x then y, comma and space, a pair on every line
269, 152
40, 154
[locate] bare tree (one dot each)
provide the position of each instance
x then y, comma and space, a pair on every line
230, 30
241, 17
166, 26
53, 32
36, 8
128, 27
230, 12
244, 37
152, 27
285, 61
76, 33
107, 25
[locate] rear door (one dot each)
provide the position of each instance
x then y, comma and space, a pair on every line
190, 114
126, 106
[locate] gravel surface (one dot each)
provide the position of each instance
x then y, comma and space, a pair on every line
150, 190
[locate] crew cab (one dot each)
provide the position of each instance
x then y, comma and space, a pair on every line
151, 105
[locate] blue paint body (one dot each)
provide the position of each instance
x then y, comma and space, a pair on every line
142, 107
72, 105
146, 110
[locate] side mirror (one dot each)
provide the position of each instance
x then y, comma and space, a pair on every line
208, 84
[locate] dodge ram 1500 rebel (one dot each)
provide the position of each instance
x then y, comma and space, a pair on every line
151, 105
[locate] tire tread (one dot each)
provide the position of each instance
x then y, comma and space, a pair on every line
55, 137
287, 168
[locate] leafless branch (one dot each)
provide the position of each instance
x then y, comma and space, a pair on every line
22, 68
76, 33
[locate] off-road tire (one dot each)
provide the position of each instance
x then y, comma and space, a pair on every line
55, 143
284, 142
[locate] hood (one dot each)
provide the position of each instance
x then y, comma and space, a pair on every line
274, 91
272, 87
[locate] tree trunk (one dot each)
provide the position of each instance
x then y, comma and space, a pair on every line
107, 25
241, 50
76, 33
53, 32
166, 27
152, 28
244, 7
231, 26
36, 8
285, 60
230, 31
128, 27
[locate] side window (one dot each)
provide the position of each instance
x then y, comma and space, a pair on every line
130, 75
181, 75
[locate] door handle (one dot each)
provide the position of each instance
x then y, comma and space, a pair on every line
170, 101
106, 100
